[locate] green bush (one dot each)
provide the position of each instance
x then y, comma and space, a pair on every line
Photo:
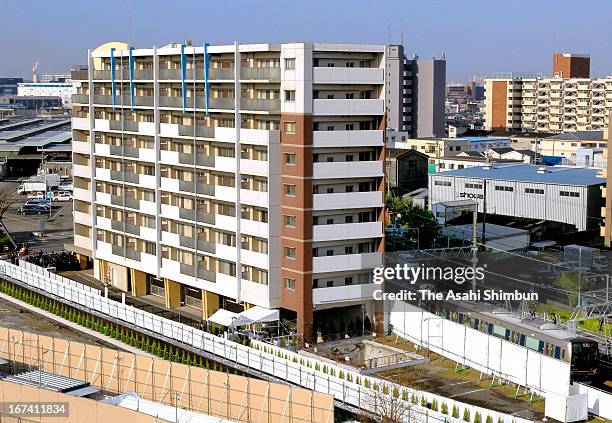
488, 419
404, 396
434, 405
477, 417
466, 415
455, 412
444, 408
366, 383
341, 374
413, 398
423, 402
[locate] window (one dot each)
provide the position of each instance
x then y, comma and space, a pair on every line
569, 194
289, 283
289, 158
348, 188
473, 186
290, 253
330, 221
290, 221
289, 95
348, 280
290, 127
289, 190
348, 219
349, 157
534, 191
329, 253
329, 284
442, 183
348, 250
503, 188
290, 63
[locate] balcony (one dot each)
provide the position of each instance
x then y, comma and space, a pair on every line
143, 74
201, 244
198, 216
198, 272
329, 75
79, 75
199, 131
196, 159
347, 231
260, 73
80, 123
80, 98
221, 73
346, 262
266, 105
129, 177
330, 170
335, 107
176, 102
221, 103
198, 187
358, 138
117, 150
126, 125
348, 200
338, 294
82, 171
172, 74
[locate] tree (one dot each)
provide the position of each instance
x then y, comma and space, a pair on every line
425, 226
573, 284
389, 407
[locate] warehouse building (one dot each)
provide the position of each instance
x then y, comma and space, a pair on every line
567, 195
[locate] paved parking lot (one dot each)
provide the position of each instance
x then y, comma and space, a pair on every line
57, 226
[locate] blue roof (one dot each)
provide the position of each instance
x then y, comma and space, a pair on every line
479, 139
561, 175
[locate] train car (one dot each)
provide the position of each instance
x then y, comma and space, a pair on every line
531, 332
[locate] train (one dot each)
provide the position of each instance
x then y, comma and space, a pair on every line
531, 332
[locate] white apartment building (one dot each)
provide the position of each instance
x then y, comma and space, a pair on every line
526, 103
234, 175
64, 90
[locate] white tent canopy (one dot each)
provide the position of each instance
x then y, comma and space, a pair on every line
256, 314
223, 317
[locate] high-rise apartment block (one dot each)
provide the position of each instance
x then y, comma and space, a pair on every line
567, 65
236, 175
415, 94
606, 211
569, 101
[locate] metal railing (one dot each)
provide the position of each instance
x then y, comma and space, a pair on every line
117, 250
128, 125
146, 74
117, 225
132, 254
198, 272
222, 103
79, 75
132, 228
197, 187
221, 73
132, 203
176, 102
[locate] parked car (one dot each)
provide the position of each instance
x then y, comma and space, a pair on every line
66, 187
38, 202
62, 196
36, 196
32, 209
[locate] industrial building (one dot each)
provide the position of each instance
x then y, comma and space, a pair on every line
569, 101
63, 90
162, 137
568, 195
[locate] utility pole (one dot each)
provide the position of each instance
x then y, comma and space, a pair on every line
484, 212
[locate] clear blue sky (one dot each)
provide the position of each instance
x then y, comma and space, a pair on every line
478, 36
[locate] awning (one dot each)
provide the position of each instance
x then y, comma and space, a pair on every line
223, 317
256, 314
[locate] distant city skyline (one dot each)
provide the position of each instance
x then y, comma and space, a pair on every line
479, 37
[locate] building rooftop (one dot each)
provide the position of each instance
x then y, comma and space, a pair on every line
562, 175
578, 136
478, 139
478, 159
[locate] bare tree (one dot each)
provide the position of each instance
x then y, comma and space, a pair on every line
388, 407
5, 203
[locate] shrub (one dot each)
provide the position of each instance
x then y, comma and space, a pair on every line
488, 419
444, 408
423, 402
477, 417
366, 383
358, 380
413, 399
341, 374
434, 405
324, 368
466, 415
499, 420
317, 366
404, 396
294, 359
455, 412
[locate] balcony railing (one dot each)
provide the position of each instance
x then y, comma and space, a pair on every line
198, 272
80, 98
197, 159
202, 245
169, 74
132, 203
199, 216
143, 74
200, 131
117, 225
220, 73
116, 200
260, 104
132, 229
260, 73
117, 150
79, 75
172, 102
221, 103
132, 254
128, 125
199, 187
117, 250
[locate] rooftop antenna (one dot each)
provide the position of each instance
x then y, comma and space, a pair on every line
402, 33
129, 23
389, 33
